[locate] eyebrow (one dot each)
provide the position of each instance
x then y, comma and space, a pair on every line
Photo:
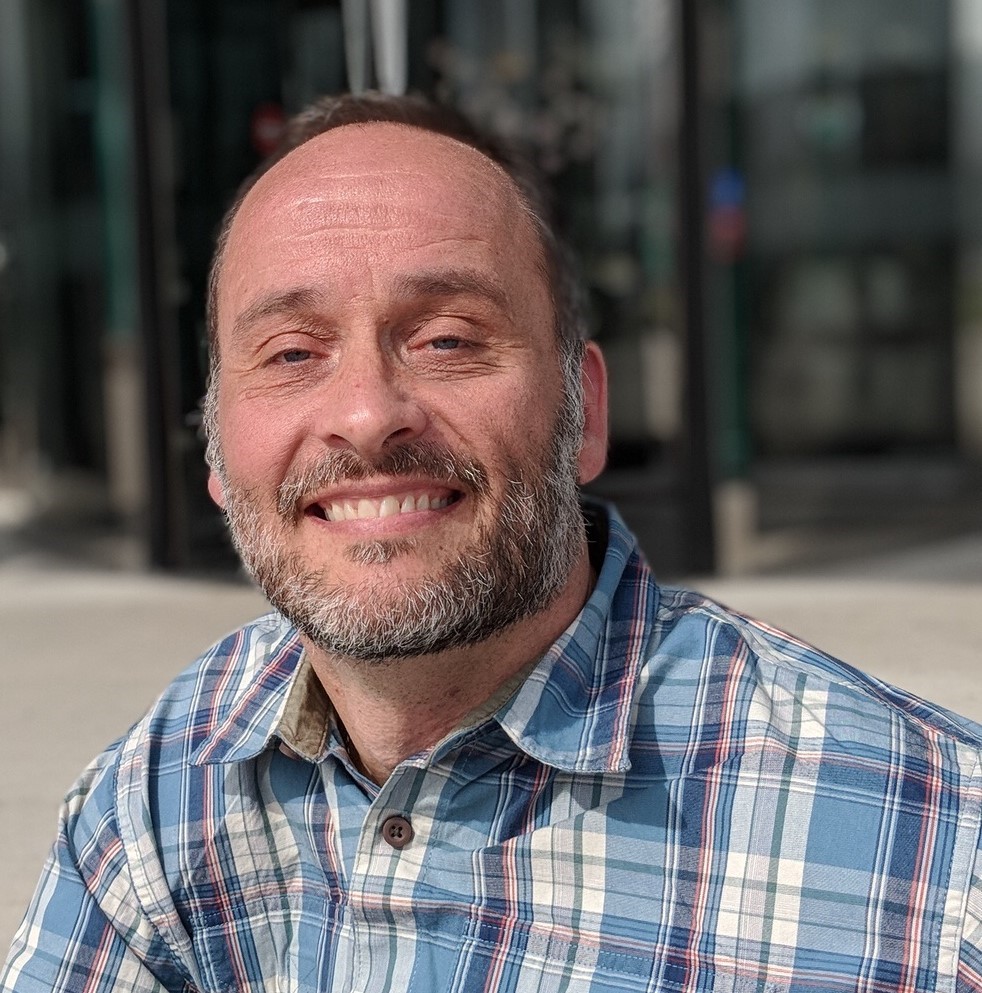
452, 283
302, 301
295, 302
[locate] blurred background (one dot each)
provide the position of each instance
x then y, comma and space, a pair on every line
777, 205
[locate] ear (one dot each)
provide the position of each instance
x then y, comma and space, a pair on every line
593, 451
215, 489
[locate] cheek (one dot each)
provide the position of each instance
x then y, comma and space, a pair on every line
257, 445
534, 414
507, 428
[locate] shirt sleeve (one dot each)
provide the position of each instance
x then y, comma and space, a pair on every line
970, 959
85, 929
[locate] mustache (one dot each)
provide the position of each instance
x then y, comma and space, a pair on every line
418, 458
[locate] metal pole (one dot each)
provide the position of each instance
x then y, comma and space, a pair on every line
152, 150
390, 30
697, 481
354, 18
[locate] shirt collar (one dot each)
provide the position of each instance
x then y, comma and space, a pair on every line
260, 687
573, 711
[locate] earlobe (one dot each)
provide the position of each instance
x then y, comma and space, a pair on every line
593, 451
215, 489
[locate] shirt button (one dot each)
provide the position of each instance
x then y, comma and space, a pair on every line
397, 831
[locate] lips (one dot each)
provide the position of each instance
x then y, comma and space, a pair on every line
416, 477
353, 508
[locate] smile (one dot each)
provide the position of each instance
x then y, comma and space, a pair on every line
390, 505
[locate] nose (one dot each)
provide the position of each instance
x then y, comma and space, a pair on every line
371, 406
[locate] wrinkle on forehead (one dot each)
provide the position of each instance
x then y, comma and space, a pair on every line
360, 150
372, 172
377, 188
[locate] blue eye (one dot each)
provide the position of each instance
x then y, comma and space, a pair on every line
295, 355
446, 344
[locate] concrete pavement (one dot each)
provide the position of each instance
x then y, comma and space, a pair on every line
86, 650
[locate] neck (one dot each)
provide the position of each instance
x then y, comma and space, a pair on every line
392, 710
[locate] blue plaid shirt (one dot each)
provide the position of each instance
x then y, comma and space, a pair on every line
676, 798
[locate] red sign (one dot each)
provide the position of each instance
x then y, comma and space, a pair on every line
266, 127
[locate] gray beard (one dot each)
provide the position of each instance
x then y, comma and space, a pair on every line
514, 567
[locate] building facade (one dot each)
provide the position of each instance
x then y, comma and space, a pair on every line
774, 203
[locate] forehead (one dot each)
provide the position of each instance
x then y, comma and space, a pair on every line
389, 153
379, 196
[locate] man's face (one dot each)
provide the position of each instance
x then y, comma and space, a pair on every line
398, 463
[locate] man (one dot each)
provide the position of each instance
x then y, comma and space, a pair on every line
477, 747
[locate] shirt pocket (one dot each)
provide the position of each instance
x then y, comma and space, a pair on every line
291, 948
514, 958
508, 957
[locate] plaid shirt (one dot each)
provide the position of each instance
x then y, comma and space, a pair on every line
676, 798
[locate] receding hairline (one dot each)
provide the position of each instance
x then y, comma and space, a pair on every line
268, 179
336, 133
320, 118
334, 113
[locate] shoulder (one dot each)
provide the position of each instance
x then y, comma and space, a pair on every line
233, 691
197, 700
145, 802
758, 683
155, 757
692, 626
788, 746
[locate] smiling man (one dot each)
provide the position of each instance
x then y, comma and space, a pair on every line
399, 429
476, 747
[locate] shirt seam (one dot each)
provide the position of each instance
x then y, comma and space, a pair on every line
118, 812
970, 871
763, 652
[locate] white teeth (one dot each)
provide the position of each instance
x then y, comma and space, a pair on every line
389, 506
